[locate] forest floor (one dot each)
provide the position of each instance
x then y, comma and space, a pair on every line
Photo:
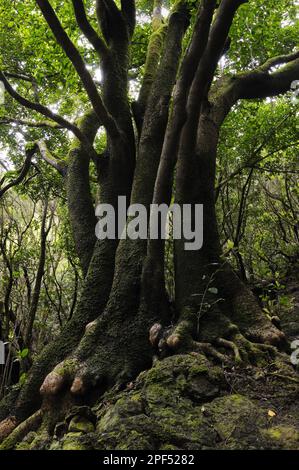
186, 402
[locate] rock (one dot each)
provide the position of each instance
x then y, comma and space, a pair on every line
237, 421
185, 402
282, 437
80, 424
162, 408
84, 411
71, 441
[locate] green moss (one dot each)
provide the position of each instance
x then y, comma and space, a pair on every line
23, 446
66, 368
274, 433
80, 424
71, 441
282, 437
162, 410
41, 441
181, 403
169, 447
30, 146
55, 445
237, 421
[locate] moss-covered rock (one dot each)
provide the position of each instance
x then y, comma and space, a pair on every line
161, 409
80, 424
237, 421
186, 402
282, 437
75, 441
183, 403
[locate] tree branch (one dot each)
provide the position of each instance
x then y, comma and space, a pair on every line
73, 54
87, 29
261, 84
164, 179
111, 21
26, 78
153, 54
23, 172
46, 155
213, 52
163, 186
255, 84
156, 114
50, 159
24, 122
40, 108
278, 60
128, 9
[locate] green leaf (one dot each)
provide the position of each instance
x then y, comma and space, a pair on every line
229, 245
24, 353
22, 378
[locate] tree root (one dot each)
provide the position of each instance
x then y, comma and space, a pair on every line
232, 346
109, 354
266, 333
240, 350
17, 435
284, 377
59, 377
208, 350
7, 426
246, 351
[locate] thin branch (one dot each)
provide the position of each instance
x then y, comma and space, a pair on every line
24, 122
73, 54
49, 158
20, 76
23, 172
26, 78
278, 60
87, 29
63, 123
257, 161
40, 109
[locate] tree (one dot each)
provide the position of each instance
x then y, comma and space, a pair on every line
163, 143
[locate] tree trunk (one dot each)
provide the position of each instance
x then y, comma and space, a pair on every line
204, 280
38, 281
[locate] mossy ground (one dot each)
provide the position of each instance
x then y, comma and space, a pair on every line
186, 402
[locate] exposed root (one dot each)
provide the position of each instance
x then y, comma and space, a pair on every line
210, 351
52, 384
241, 350
266, 334
59, 377
18, 434
284, 377
7, 426
155, 334
253, 352
232, 346
110, 353
78, 386
181, 340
